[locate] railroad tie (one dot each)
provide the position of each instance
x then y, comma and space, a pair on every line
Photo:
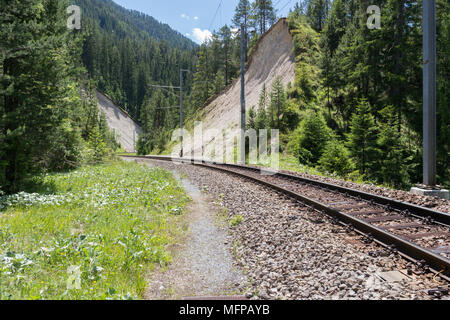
385, 218
426, 235
404, 226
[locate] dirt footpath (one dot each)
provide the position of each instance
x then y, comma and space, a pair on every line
203, 264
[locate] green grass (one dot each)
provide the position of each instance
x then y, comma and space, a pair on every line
236, 220
112, 222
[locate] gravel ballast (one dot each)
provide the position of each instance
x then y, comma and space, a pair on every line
290, 251
437, 204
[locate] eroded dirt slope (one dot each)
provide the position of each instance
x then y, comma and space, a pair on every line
272, 57
126, 129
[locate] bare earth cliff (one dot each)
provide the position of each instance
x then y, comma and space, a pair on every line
273, 56
126, 129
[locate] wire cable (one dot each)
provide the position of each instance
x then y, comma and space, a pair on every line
285, 5
215, 15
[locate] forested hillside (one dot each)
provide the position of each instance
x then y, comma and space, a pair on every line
46, 123
358, 91
371, 85
126, 51
355, 108
217, 64
125, 23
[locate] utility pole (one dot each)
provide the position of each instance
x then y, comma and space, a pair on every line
243, 54
429, 105
429, 93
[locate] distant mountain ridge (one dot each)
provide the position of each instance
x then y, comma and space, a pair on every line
125, 51
113, 18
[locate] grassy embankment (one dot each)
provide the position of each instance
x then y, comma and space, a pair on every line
94, 233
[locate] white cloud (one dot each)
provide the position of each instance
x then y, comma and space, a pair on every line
195, 18
201, 35
188, 34
184, 16
234, 32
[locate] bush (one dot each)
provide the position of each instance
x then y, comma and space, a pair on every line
65, 151
336, 159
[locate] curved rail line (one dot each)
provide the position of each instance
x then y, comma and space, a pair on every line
423, 257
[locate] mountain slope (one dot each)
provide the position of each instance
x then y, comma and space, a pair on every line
113, 18
126, 130
126, 51
273, 57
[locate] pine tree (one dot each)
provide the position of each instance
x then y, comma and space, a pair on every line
263, 15
362, 139
242, 13
219, 83
35, 86
242, 17
393, 161
226, 44
251, 122
317, 12
277, 103
261, 118
336, 158
332, 33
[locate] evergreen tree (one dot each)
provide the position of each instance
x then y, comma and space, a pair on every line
263, 101
261, 120
277, 104
317, 12
336, 158
393, 161
251, 122
35, 86
310, 138
362, 139
226, 56
242, 17
202, 79
263, 15
443, 92
219, 83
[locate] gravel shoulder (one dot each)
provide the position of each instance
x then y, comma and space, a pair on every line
289, 251
203, 265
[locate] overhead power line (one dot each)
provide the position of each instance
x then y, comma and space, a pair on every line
215, 15
163, 108
285, 5
180, 106
166, 88
277, 3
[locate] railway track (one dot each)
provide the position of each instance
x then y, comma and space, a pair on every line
418, 234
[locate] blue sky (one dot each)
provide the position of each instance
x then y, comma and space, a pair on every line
194, 18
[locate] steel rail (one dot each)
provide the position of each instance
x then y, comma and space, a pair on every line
439, 216
407, 249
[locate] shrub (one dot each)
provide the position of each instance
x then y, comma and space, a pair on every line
336, 159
